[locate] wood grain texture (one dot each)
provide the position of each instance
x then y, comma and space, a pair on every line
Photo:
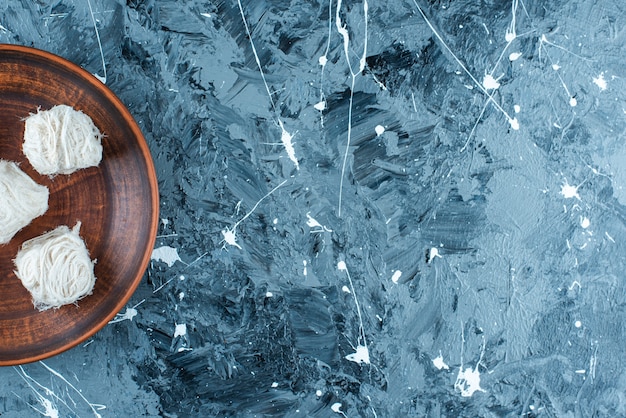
117, 203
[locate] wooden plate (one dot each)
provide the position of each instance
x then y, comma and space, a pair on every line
117, 203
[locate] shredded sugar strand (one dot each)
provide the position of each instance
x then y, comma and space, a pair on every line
61, 140
21, 200
55, 268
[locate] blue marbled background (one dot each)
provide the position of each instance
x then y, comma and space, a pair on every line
470, 269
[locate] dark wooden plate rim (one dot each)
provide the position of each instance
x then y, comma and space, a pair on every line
152, 184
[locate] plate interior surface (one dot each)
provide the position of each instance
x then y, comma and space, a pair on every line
116, 202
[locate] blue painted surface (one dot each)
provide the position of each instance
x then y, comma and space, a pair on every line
466, 253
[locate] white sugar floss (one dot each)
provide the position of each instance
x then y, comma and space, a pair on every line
61, 140
21, 200
55, 268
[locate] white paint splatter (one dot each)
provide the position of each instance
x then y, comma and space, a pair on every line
509, 37
439, 363
323, 60
318, 227
514, 124
434, 252
313, 223
286, 138
569, 191
511, 30
103, 79
490, 83
166, 254
50, 410
514, 56
254, 52
129, 314
336, 407
230, 238
362, 355
593, 362
318, 393
468, 382
396, 276
578, 324
517, 108
573, 102
380, 83
600, 82
379, 130
274, 384
575, 284
585, 222
345, 289
269, 294
180, 330
343, 31
93, 406
229, 235
362, 352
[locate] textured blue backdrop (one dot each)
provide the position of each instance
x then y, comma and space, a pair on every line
408, 209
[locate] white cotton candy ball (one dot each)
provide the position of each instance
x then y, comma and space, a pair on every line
61, 140
55, 268
21, 200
